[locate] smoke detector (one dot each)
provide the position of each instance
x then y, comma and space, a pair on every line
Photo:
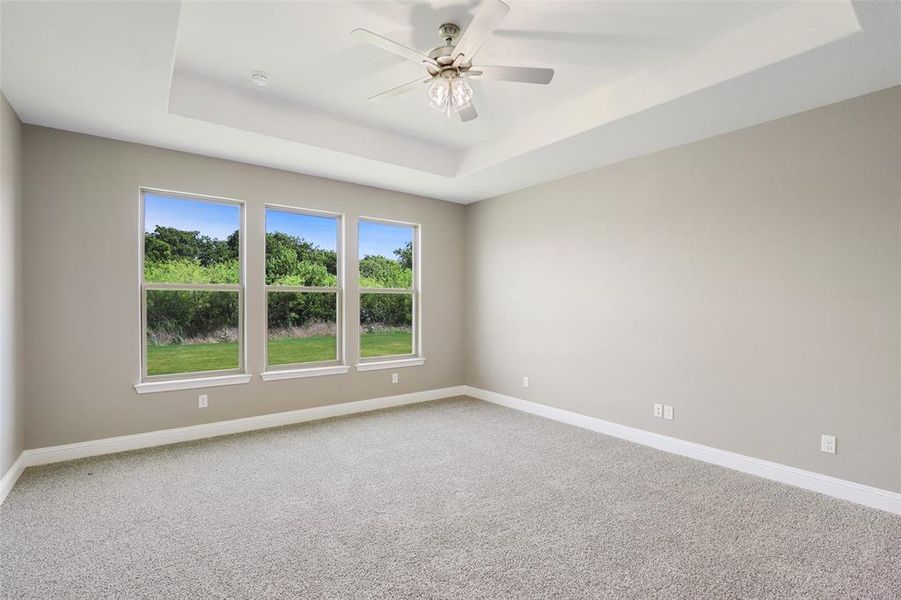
259, 78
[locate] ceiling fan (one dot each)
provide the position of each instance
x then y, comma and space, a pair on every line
450, 65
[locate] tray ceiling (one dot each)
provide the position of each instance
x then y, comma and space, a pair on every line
631, 78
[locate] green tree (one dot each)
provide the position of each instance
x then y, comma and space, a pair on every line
405, 256
191, 271
186, 314
294, 261
394, 310
289, 309
382, 272
168, 243
177, 256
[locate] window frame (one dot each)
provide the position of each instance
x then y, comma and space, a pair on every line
415, 357
194, 376
315, 367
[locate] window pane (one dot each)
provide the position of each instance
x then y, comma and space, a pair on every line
190, 241
301, 249
302, 327
386, 324
191, 331
386, 255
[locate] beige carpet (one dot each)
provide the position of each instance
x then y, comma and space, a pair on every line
449, 499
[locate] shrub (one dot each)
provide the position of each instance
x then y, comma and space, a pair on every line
176, 256
191, 271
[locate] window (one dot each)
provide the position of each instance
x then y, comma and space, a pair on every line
303, 289
389, 290
192, 296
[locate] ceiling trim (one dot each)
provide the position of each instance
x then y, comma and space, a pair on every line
788, 32
206, 100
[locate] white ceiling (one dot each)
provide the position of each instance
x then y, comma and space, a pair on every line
632, 77
313, 62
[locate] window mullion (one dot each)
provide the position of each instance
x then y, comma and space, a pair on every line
191, 287
301, 289
387, 290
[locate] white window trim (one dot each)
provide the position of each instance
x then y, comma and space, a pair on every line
305, 372
150, 383
415, 358
390, 364
319, 368
190, 384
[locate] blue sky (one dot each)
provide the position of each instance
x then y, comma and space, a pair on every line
383, 238
220, 220
209, 218
321, 231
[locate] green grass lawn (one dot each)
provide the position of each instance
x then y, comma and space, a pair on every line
190, 358
386, 344
300, 350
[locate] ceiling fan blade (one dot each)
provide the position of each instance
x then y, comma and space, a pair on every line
399, 90
364, 35
468, 114
488, 17
520, 74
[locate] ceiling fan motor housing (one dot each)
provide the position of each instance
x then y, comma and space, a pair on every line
449, 33
443, 54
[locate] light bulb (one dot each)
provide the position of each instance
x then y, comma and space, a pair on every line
461, 93
439, 94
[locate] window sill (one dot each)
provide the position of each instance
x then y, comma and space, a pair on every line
149, 387
301, 373
390, 364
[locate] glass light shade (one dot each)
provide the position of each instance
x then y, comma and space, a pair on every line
439, 94
461, 93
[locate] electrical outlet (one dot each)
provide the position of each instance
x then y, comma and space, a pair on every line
658, 410
667, 412
525, 382
202, 401
394, 378
827, 444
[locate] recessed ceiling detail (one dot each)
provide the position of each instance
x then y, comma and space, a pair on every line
629, 78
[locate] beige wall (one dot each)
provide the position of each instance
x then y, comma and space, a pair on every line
752, 280
81, 287
12, 412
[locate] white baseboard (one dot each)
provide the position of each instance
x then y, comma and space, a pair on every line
11, 476
831, 486
52, 454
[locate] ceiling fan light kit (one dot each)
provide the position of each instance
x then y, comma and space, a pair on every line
450, 94
449, 66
